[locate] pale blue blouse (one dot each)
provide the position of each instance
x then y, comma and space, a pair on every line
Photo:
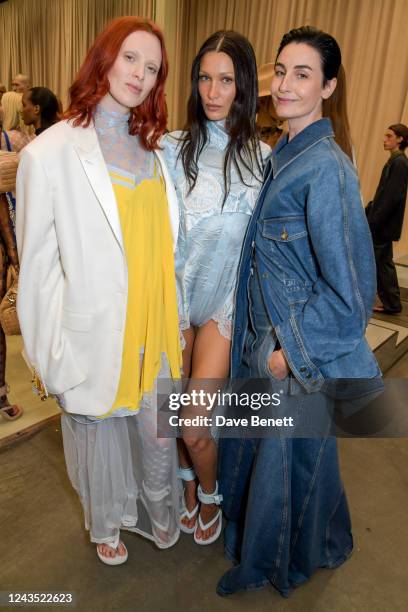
210, 235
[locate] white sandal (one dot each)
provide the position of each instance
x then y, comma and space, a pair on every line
187, 474
118, 559
209, 498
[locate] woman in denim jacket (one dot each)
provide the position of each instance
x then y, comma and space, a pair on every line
305, 292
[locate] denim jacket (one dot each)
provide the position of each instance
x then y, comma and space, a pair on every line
311, 245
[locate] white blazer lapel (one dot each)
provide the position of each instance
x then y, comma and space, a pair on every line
93, 163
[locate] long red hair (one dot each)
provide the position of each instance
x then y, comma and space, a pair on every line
92, 84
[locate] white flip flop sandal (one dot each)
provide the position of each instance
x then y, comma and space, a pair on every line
187, 474
209, 498
118, 559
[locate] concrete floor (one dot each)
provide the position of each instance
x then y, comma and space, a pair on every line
44, 546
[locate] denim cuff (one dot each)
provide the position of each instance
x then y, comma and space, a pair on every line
307, 373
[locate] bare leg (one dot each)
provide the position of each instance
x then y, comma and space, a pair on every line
4, 402
210, 360
189, 336
190, 487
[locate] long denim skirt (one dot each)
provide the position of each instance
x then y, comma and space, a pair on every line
284, 501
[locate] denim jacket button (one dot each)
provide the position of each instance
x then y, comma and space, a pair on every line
303, 369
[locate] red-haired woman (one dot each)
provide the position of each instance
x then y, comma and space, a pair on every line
96, 224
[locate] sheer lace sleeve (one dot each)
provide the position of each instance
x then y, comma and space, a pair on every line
170, 143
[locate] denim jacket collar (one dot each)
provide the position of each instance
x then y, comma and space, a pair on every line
286, 152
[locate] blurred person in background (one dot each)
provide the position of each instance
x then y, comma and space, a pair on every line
20, 83
267, 121
3, 90
11, 139
14, 135
385, 215
8, 256
40, 108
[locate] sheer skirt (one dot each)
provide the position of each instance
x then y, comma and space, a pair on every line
126, 477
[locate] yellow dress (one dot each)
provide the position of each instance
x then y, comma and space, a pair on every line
151, 318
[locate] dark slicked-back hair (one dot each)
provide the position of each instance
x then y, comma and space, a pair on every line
334, 107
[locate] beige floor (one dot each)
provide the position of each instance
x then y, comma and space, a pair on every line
45, 547
19, 379
402, 261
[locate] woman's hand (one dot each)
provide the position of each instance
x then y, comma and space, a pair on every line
278, 365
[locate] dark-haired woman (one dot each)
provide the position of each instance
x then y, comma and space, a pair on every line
305, 292
40, 108
216, 165
96, 222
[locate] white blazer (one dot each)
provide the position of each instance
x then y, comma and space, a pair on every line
72, 293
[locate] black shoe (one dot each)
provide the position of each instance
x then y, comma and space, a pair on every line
382, 310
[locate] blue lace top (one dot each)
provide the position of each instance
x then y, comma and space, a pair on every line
210, 235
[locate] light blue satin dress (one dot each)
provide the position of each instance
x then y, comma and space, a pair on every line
211, 234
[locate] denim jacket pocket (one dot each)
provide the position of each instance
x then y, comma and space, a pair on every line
288, 241
284, 229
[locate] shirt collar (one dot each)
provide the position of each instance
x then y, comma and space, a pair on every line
285, 152
105, 120
217, 134
396, 154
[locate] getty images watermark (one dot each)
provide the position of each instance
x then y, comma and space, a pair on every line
223, 409
271, 408
210, 401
